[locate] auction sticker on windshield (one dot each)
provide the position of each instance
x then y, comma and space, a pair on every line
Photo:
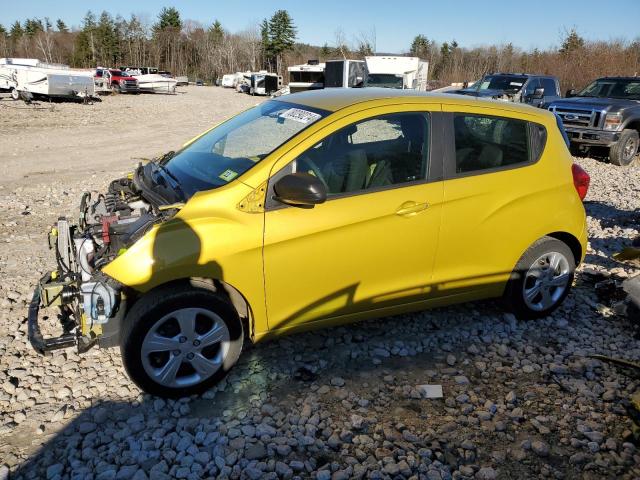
228, 175
300, 115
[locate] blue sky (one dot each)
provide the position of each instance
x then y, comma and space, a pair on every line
526, 24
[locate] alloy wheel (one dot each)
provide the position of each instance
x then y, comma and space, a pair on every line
185, 347
546, 281
630, 149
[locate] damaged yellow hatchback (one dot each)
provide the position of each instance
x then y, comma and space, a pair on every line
316, 209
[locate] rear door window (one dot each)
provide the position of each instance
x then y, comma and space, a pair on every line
489, 143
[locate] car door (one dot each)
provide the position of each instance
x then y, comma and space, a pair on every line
491, 205
551, 90
371, 245
529, 90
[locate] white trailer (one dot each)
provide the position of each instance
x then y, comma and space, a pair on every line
344, 73
30, 77
309, 76
396, 72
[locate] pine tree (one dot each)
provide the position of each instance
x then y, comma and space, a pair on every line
168, 18
282, 35
16, 31
265, 44
61, 26
216, 32
106, 40
420, 46
3, 31
325, 50
572, 42
32, 26
85, 43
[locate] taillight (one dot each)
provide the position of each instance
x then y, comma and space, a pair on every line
581, 180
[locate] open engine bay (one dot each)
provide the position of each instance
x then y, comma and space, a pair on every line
90, 303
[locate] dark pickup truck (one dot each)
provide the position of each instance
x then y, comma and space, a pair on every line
604, 116
536, 90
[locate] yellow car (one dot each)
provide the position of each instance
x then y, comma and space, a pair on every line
316, 209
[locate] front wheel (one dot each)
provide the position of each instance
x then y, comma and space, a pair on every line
624, 150
180, 340
541, 280
15, 94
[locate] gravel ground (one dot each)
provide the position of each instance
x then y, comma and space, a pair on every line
521, 400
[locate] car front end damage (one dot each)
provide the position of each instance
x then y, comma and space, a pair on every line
90, 304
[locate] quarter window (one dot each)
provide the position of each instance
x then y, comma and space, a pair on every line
484, 142
376, 153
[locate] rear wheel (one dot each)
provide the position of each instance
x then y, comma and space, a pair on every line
180, 340
15, 94
623, 152
541, 280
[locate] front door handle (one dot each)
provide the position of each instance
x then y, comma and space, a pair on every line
408, 209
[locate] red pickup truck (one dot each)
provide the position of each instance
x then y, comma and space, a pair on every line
117, 80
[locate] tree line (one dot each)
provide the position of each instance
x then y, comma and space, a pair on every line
208, 51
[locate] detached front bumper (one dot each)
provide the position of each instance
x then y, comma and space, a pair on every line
592, 137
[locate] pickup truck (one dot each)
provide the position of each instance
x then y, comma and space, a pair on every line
603, 116
536, 90
118, 81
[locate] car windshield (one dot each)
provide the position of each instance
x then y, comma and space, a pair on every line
386, 80
232, 148
507, 83
118, 73
613, 88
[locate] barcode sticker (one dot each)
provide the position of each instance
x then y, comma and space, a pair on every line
299, 115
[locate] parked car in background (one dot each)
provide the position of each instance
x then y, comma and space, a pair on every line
604, 116
316, 209
536, 90
118, 81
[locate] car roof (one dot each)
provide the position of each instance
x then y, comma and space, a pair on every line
619, 78
334, 99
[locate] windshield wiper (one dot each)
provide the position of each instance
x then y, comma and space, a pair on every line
167, 174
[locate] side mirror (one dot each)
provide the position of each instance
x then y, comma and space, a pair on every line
538, 93
300, 190
570, 93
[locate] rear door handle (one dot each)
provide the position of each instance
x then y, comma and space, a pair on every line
408, 209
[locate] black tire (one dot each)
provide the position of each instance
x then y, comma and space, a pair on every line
623, 152
158, 303
514, 295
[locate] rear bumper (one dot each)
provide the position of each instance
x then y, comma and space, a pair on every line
38, 342
592, 137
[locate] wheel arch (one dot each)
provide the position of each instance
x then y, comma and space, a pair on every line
571, 241
633, 125
235, 297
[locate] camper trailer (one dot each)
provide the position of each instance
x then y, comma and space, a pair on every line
396, 72
30, 77
344, 73
309, 76
229, 80
263, 83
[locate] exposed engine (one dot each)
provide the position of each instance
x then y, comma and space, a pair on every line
108, 224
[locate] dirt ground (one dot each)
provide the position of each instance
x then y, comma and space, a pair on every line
61, 139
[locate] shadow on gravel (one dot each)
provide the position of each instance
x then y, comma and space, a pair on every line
610, 216
71, 452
